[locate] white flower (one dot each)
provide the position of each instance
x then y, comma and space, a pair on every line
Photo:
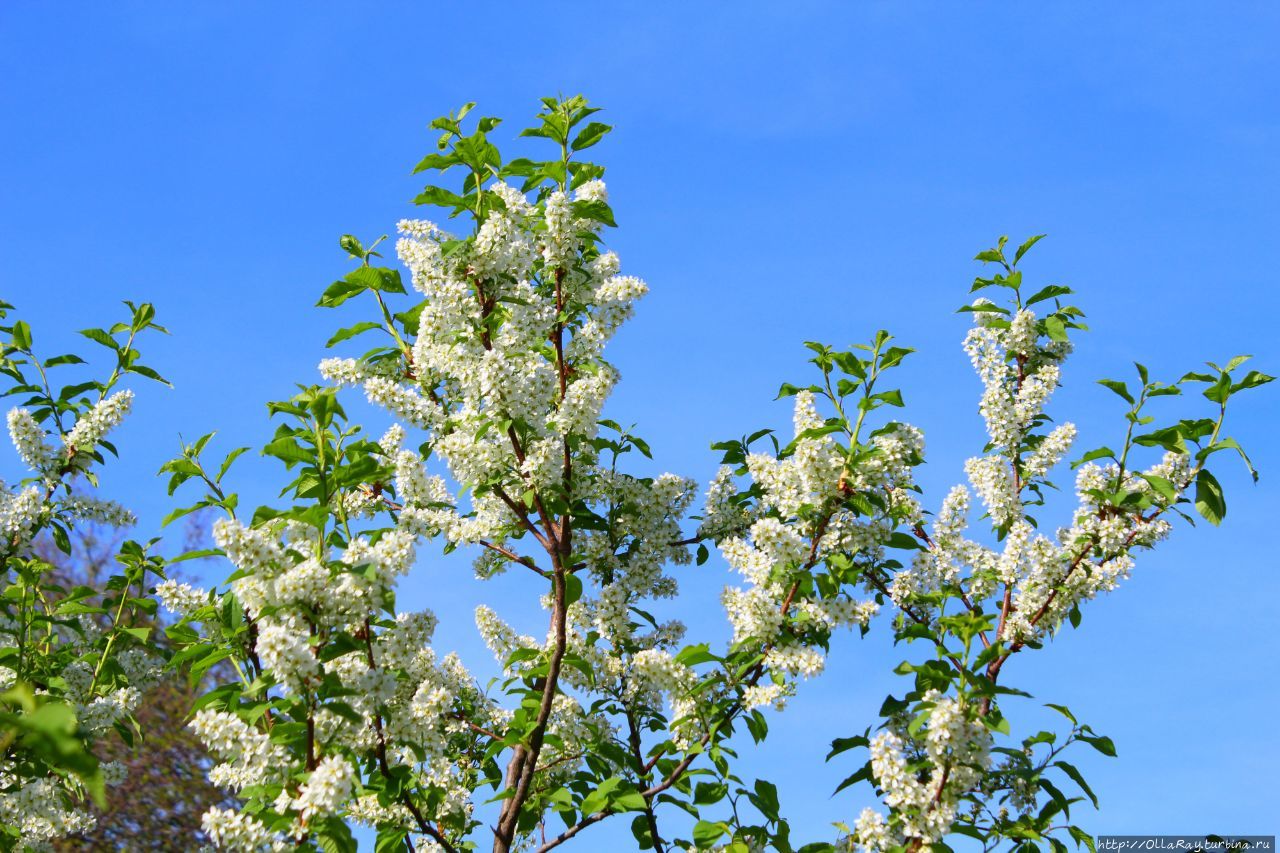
28, 439
92, 426
327, 789
181, 598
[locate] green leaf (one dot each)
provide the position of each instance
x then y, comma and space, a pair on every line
1162, 486
863, 774
906, 541
1082, 837
766, 799
22, 335
351, 246
351, 331
1063, 710
573, 588
376, 278
440, 162
1119, 388
694, 655
1026, 246
440, 197
631, 801
706, 833
590, 135
1210, 502
69, 358
599, 798
75, 390
1252, 379
709, 793
595, 210
101, 337
1048, 292
1102, 743
1076, 777
1232, 444
143, 370
982, 307
1097, 453
1057, 796
893, 398
226, 463
1220, 390
342, 709
844, 744
390, 841
1170, 438
996, 722
288, 450
1055, 328
334, 836
338, 293
641, 833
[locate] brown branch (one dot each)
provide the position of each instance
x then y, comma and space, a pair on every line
564, 759
475, 727
385, 768
633, 738
527, 562
523, 515
574, 830
524, 759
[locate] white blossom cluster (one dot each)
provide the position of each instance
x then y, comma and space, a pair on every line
326, 791
1047, 576
247, 756
229, 829
1091, 556
20, 514
405, 700
1043, 576
481, 360
1019, 373
29, 440
798, 522
957, 747
47, 809
481, 368
93, 426
481, 342
181, 598
39, 810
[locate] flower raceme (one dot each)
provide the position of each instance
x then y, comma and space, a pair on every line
490, 357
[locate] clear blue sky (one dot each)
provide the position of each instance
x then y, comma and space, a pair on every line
781, 172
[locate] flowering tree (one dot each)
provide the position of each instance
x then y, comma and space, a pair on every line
943, 758
343, 712
74, 661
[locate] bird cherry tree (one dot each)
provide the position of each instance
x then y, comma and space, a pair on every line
491, 358
944, 759
74, 662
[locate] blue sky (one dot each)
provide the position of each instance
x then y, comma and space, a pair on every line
780, 173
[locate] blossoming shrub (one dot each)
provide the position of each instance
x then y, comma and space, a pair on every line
73, 662
491, 357
944, 759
